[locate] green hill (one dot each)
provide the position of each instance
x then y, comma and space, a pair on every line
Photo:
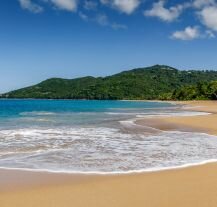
141, 83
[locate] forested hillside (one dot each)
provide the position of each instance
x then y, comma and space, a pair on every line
200, 91
156, 82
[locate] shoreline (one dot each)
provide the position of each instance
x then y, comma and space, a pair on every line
182, 105
137, 121
100, 173
188, 185
42, 174
202, 123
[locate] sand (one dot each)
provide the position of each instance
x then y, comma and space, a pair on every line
207, 124
193, 186
201, 123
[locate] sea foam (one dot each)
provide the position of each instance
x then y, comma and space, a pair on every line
96, 137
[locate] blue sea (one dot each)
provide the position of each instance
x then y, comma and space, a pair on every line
96, 137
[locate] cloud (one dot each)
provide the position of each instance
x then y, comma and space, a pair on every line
89, 11
202, 3
69, 5
102, 19
83, 16
210, 34
166, 14
126, 6
117, 26
90, 5
189, 33
29, 5
208, 16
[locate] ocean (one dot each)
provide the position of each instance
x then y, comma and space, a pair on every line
96, 137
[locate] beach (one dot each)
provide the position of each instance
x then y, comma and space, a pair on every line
201, 123
192, 186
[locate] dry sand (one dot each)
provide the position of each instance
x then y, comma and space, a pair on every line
196, 186
189, 187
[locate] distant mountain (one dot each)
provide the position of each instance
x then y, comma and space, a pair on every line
141, 83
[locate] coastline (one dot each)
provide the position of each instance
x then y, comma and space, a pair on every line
198, 123
203, 123
188, 186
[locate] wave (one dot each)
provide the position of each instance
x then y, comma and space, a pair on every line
101, 144
164, 114
172, 114
37, 113
102, 150
188, 165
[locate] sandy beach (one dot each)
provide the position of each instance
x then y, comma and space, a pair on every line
201, 123
192, 186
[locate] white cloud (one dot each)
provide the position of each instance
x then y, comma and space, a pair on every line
83, 16
208, 16
202, 3
29, 5
70, 5
90, 5
165, 14
102, 19
205, 9
118, 26
189, 33
126, 6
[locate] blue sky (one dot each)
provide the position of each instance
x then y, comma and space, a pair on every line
40, 39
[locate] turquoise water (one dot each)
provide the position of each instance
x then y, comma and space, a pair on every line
95, 136
28, 113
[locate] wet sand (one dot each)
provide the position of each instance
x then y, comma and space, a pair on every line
201, 123
187, 187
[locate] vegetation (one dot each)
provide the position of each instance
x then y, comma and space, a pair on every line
156, 82
200, 91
